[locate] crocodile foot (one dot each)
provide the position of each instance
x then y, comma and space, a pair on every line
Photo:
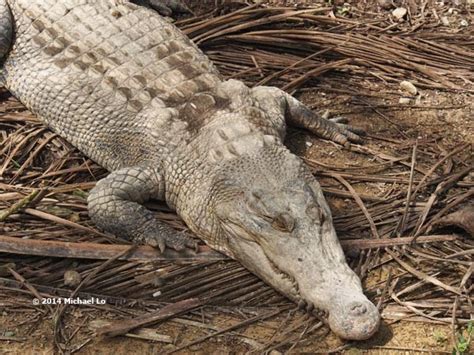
335, 130
351, 133
116, 206
177, 241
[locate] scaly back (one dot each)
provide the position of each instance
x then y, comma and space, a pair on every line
95, 69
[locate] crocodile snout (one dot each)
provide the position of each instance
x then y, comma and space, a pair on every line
358, 320
357, 309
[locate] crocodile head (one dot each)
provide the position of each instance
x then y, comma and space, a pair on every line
274, 219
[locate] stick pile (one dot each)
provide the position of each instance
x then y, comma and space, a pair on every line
417, 266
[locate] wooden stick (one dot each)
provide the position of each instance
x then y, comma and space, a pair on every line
100, 251
351, 244
19, 205
125, 326
246, 322
97, 251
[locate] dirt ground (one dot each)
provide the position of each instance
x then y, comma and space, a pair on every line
398, 338
450, 126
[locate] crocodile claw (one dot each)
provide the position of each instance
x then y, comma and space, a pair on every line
338, 119
345, 133
177, 241
335, 129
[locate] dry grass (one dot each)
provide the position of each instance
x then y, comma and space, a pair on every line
424, 274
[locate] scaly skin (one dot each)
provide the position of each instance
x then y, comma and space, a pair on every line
129, 90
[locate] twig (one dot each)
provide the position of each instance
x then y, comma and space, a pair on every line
440, 189
15, 339
360, 203
438, 163
361, 244
125, 326
98, 251
30, 287
59, 220
400, 228
60, 310
422, 276
453, 325
19, 205
405, 349
228, 329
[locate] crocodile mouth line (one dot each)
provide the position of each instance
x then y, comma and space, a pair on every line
296, 296
301, 302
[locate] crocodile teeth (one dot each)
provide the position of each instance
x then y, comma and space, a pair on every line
286, 277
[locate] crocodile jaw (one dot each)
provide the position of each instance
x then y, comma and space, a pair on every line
275, 220
334, 291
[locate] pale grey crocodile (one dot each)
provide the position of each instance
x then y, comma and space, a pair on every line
134, 94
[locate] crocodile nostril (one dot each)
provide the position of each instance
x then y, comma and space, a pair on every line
358, 309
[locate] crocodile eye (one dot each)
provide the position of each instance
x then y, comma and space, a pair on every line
284, 222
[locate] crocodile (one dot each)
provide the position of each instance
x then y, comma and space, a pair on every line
127, 88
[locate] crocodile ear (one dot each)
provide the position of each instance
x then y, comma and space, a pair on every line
317, 208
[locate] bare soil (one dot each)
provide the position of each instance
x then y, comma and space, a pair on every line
444, 117
451, 127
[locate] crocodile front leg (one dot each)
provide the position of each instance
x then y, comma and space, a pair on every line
115, 205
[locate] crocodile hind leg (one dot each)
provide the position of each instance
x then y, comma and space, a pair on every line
299, 115
115, 205
6, 29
